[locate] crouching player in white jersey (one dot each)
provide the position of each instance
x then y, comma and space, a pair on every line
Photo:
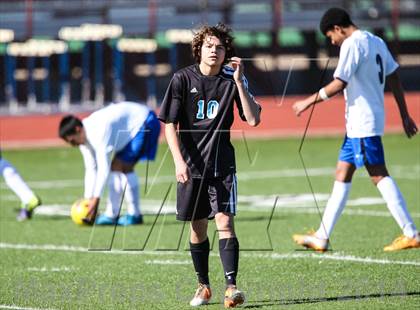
127, 131
364, 64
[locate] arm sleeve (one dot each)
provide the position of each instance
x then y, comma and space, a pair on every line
348, 61
103, 151
171, 104
103, 159
90, 170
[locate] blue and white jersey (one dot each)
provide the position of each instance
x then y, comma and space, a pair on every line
108, 131
364, 63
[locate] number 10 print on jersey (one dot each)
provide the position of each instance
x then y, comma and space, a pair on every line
212, 109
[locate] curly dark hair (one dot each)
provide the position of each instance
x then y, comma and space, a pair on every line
220, 31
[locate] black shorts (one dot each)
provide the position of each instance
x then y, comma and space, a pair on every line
201, 198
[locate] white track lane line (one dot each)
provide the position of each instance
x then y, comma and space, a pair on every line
273, 255
21, 308
397, 171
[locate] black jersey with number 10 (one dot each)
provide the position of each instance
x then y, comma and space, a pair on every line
203, 106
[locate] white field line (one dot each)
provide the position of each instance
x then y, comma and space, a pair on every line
69, 248
298, 201
402, 172
337, 256
351, 212
273, 255
168, 262
21, 308
302, 203
51, 269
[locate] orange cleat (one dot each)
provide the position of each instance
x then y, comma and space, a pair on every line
403, 243
233, 297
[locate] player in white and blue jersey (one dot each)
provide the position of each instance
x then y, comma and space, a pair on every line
112, 140
364, 65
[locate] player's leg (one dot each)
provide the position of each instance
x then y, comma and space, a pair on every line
124, 161
193, 205
200, 251
132, 195
229, 255
393, 198
15, 182
142, 147
29, 201
115, 192
338, 198
224, 197
375, 165
130, 182
228, 246
223, 193
397, 206
343, 176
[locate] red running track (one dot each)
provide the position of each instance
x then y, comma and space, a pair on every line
277, 121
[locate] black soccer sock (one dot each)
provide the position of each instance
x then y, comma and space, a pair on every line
229, 254
200, 256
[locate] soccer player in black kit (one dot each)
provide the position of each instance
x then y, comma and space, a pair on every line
199, 102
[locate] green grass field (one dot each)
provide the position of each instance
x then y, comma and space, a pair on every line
46, 264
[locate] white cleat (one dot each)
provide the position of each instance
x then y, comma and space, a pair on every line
310, 241
202, 296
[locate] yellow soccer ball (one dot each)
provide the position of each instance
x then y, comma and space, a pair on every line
79, 210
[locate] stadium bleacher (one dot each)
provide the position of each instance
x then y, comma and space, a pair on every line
270, 29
